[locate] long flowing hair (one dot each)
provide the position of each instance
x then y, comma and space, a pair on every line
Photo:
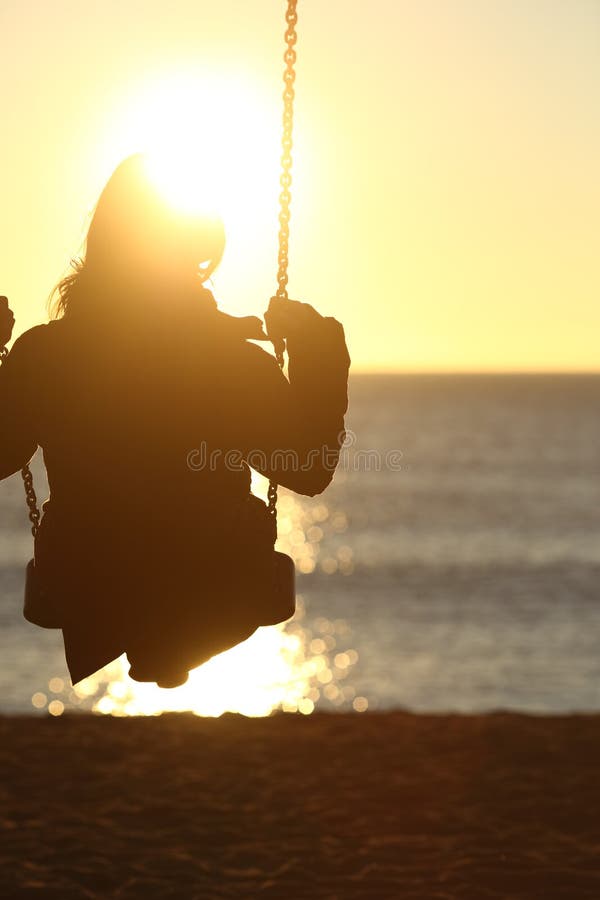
137, 242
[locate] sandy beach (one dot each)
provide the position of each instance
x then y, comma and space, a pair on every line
333, 806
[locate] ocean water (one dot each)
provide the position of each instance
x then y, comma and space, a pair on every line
453, 564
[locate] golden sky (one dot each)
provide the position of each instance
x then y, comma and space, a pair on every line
447, 193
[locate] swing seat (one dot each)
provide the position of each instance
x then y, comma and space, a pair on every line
264, 597
274, 600
267, 576
281, 605
39, 606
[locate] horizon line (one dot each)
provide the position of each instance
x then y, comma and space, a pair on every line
360, 370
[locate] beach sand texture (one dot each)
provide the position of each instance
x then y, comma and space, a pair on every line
336, 806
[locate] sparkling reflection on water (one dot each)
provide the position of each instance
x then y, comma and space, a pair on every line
474, 569
290, 667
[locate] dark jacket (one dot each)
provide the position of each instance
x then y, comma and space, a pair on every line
144, 428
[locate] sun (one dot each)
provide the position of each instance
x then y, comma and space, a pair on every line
182, 177
212, 143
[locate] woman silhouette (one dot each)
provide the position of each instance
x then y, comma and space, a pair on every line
148, 403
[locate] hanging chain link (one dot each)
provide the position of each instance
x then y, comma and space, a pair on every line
285, 180
34, 513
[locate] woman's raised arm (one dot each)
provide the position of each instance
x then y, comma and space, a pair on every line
297, 429
17, 425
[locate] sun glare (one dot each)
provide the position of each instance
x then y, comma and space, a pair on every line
212, 142
183, 182
291, 667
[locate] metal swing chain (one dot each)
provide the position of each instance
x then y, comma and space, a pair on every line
285, 180
34, 513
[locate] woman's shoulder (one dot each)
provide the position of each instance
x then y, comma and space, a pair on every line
39, 333
36, 340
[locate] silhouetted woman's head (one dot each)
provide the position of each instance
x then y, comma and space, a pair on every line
139, 245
